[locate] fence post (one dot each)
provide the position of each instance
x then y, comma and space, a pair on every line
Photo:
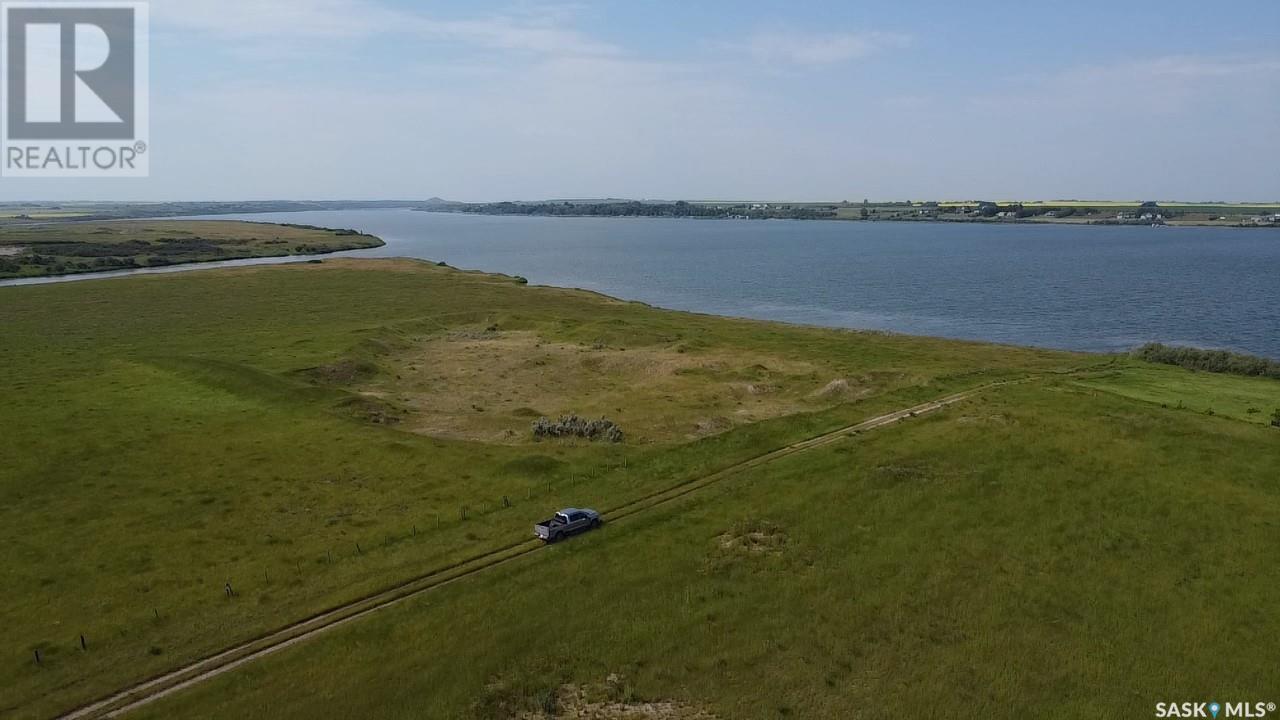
83, 644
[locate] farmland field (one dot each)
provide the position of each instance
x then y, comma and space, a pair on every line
191, 462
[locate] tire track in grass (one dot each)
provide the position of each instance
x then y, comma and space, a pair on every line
179, 679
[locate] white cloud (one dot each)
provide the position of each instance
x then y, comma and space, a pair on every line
1180, 66
509, 33
1143, 88
813, 49
292, 21
252, 19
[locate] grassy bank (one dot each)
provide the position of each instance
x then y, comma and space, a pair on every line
69, 248
309, 434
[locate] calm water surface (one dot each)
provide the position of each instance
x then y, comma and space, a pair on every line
1060, 286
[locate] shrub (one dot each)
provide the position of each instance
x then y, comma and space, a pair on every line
570, 426
1214, 361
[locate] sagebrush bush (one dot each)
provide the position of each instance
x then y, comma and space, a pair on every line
574, 426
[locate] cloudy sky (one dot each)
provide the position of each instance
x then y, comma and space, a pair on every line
750, 99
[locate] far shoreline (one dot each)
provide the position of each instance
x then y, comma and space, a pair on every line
923, 220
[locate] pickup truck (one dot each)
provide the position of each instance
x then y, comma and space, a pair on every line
569, 521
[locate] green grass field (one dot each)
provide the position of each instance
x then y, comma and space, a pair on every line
309, 434
973, 565
1249, 399
69, 248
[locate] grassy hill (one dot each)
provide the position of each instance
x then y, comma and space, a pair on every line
1088, 541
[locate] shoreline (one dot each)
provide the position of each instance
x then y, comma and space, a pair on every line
342, 256
1072, 338
929, 220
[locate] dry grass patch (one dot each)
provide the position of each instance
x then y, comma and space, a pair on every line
753, 544
997, 419
753, 538
487, 384
611, 700
845, 389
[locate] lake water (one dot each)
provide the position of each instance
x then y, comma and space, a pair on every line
1059, 286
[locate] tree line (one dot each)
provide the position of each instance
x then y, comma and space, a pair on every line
1214, 361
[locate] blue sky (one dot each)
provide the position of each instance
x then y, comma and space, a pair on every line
333, 99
